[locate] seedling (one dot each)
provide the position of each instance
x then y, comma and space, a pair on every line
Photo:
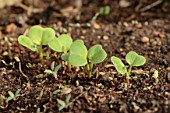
132, 58
12, 96
54, 69
103, 11
62, 44
37, 37
79, 54
64, 104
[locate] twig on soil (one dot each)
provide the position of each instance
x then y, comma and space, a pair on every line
28, 84
151, 5
29, 9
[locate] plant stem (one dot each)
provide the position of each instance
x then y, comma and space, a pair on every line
89, 69
128, 74
69, 66
40, 50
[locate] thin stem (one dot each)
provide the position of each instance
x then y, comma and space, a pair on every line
128, 73
89, 69
40, 50
95, 16
69, 66
67, 62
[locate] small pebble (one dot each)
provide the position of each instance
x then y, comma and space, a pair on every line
5, 53
125, 24
96, 25
11, 28
168, 77
138, 25
105, 37
144, 39
99, 37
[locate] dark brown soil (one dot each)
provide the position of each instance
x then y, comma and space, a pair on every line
124, 29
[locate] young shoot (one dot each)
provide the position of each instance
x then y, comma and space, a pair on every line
37, 37
103, 11
64, 104
54, 69
132, 58
62, 44
13, 96
79, 54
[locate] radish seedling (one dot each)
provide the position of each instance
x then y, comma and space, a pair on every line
79, 53
62, 44
132, 58
37, 37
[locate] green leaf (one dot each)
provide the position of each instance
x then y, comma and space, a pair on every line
25, 41
96, 54
120, 67
105, 10
35, 34
134, 59
57, 68
68, 98
65, 41
11, 94
61, 102
8, 99
48, 34
60, 108
56, 91
65, 57
55, 45
77, 60
17, 92
61, 44
78, 53
52, 65
79, 48
48, 71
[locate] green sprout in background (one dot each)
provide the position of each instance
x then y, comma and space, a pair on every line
62, 44
132, 58
79, 53
37, 37
13, 96
64, 104
103, 11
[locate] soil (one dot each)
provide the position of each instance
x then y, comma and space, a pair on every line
126, 28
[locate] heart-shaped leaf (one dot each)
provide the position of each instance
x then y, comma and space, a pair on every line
96, 54
65, 41
55, 45
61, 44
48, 34
25, 41
120, 67
78, 53
134, 59
35, 34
